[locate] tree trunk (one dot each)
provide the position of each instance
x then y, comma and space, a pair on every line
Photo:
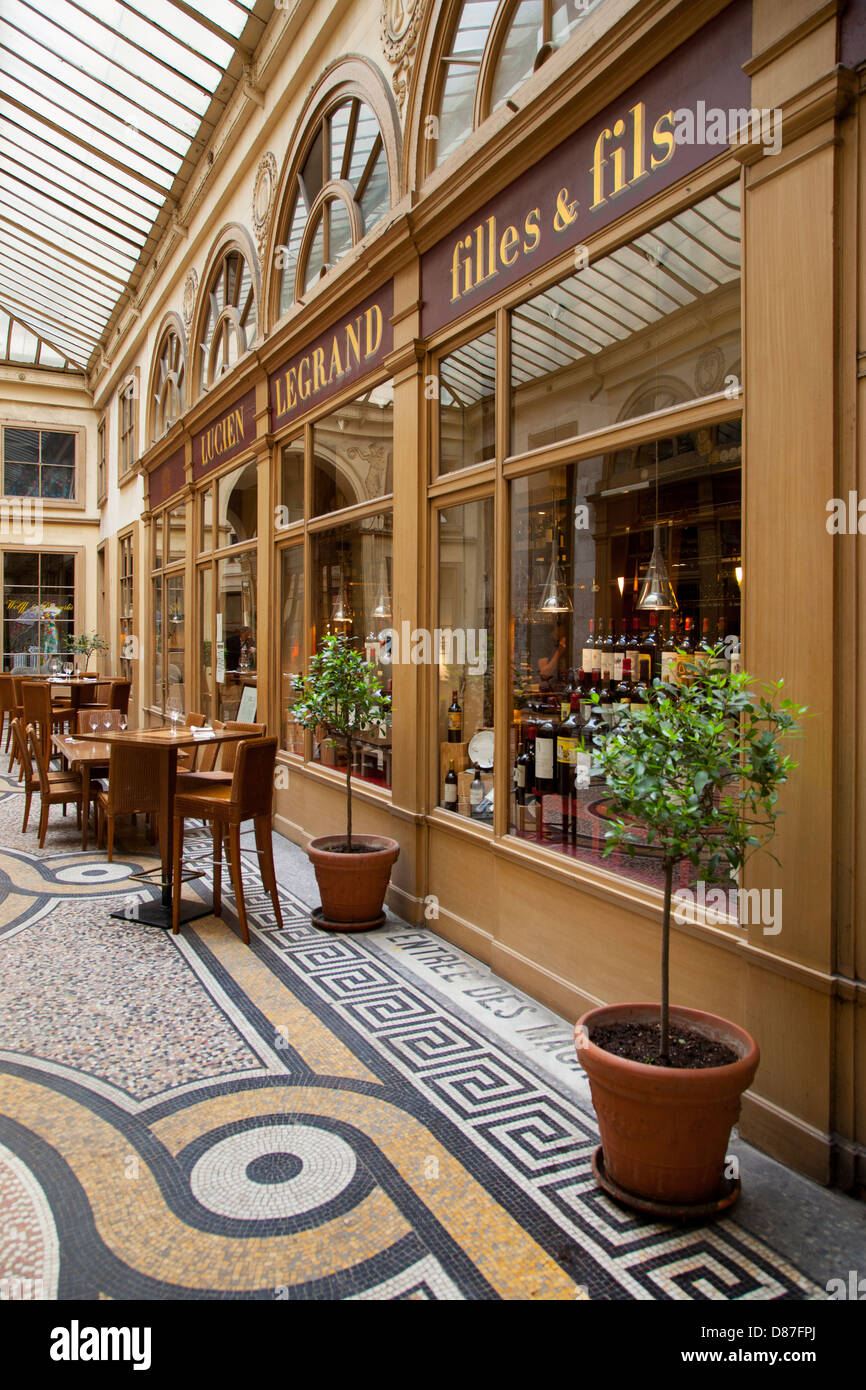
666, 961
348, 792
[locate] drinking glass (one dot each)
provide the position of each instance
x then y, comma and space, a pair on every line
106, 719
175, 711
93, 721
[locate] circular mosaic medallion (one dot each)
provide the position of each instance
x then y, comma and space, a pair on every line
93, 873
273, 1171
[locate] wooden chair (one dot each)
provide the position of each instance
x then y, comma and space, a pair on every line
19, 714
222, 776
133, 786
9, 710
38, 710
186, 757
56, 788
120, 695
82, 721
248, 797
99, 698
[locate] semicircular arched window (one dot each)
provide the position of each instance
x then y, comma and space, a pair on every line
169, 383
492, 49
341, 190
230, 318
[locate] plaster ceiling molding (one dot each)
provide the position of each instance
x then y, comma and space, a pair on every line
401, 20
190, 294
264, 194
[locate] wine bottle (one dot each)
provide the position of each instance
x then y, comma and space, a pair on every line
669, 655
640, 693
476, 792
565, 697
545, 750
688, 643
529, 749
649, 651
605, 706
521, 769
607, 655
589, 647
567, 745
620, 653
586, 688
455, 720
622, 696
722, 662
451, 786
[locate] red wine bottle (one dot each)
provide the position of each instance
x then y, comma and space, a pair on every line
450, 798
455, 720
545, 758
589, 647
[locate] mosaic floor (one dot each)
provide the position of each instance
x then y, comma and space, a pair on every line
314, 1117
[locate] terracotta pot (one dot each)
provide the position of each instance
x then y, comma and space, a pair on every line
665, 1130
352, 886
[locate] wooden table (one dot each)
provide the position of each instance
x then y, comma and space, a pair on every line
83, 754
169, 744
76, 686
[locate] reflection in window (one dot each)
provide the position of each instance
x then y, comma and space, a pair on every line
352, 587
588, 352
175, 522
467, 421
341, 191
38, 463
465, 658
353, 452
536, 29
291, 643
576, 622
38, 607
206, 652
169, 393
238, 505
230, 323
236, 673
291, 483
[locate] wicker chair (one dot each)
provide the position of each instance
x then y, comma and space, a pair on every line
83, 717
39, 711
248, 797
31, 778
56, 788
9, 710
133, 786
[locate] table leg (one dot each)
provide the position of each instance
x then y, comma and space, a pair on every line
85, 803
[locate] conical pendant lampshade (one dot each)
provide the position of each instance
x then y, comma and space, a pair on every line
555, 597
341, 611
382, 607
657, 592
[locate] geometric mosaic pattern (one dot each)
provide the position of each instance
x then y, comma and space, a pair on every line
312, 1116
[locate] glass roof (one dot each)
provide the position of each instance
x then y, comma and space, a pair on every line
105, 105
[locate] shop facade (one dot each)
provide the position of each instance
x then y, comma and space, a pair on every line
493, 335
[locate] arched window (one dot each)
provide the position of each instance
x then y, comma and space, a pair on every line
168, 379
228, 315
492, 46
342, 188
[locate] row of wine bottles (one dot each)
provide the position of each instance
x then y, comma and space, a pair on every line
650, 657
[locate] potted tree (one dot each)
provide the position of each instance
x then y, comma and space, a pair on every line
341, 695
85, 645
693, 773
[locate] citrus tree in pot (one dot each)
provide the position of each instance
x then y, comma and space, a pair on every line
341, 694
694, 773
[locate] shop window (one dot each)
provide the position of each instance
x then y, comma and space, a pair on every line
238, 494
581, 541
229, 325
206, 651
236, 666
492, 48
157, 634
291, 643
291, 483
169, 632
126, 567
352, 578
38, 607
205, 503
39, 463
169, 386
175, 534
101, 442
467, 401
157, 542
353, 452
463, 654
580, 350
341, 190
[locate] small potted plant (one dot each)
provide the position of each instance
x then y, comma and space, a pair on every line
342, 695
85, 645
693, 773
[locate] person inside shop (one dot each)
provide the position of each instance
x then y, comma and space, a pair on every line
248, 650
553, 668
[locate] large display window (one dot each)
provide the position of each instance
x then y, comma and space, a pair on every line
38, 607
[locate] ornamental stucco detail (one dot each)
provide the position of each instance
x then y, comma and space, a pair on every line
400, 23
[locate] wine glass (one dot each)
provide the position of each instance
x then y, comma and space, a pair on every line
107, 720
93, 721
122, 721
175, 711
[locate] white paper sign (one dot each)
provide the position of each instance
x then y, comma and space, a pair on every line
248, 705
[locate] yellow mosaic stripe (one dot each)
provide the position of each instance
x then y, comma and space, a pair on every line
319, 1047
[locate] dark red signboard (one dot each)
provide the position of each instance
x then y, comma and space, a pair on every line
624, 155
348, 350
225, 435
167, 479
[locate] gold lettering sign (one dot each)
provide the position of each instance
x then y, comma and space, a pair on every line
350, 348
226, 434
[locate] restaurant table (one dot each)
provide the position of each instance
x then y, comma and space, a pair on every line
83, 754
169, 743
